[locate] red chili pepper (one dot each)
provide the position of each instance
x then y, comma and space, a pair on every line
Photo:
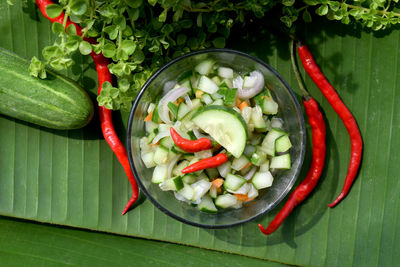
318, 131
340, 108
107, 126
190, 145
307, 185
212, 162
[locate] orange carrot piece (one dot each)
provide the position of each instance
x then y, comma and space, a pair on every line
238, 101
243, 105
243, 197
149, 116
217, 183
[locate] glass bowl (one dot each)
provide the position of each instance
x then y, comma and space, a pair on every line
289, 111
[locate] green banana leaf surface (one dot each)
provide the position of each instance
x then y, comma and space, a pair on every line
72, 178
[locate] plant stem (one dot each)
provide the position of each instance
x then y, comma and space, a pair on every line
303, 90
380, 12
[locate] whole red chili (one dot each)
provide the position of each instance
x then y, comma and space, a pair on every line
190, 145
344, 113
318, 131
107, 126
212, 162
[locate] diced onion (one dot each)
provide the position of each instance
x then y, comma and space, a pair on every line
250, 174
188, 101
246, 93
171, 96
172, 164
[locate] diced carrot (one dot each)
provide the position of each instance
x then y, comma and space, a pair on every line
156, 144
243, 104
179, 100
243, 197
245, 166
219, 190
217, 183
149, 116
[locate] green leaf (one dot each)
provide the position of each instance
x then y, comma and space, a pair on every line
71, 29
322, 10
109, 50
85, 48
53, 10
78, 7
163, 16
134, 3
219, 42
288, 2
307, 16
128, 46
57, 28
50, 52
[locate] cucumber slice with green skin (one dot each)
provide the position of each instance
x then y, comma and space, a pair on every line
249, 150
187, 192
178, 169
207, 205
233, 182
262, 180
161, 155
183, 110
207, 85
268, 143
283, 144
167, 142
205, 67
174, 184
148, 159
225, 126
150, 126
226, 201
216, 80
200, 188
265, 166
212, 173
160, 173
218, 102
189, 178
256, 159
206, 99
281, 162
240, 163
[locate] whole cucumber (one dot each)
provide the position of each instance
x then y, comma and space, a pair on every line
55, 102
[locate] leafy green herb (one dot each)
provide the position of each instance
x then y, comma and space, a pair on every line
173, 108
229, 95
140, 36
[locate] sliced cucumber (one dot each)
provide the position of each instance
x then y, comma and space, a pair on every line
249, 150
207, 85
242, 190
187, 192
161, 155
150, 126
183, 110
212, 173
256, 159
258, 120
262, 180
225, 201
148, 159
224, 169
205, 67
178, 169
280, 162
207, 205
200, 188
268, 143
160, 173
226, 126
265, 166
213, 192
206, 99
216, 80
218, 102
270, 107
283, 144
224, 72
174, 184
167, 142
189, 178
240, 163
233, 182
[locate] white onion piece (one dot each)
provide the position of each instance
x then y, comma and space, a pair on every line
238, 83
188, 101
200, 188
250, 174
246, 93
168, 86
180, 197
171, 96
172, 164
160, 136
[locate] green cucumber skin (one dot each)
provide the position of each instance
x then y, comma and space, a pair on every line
56, 102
